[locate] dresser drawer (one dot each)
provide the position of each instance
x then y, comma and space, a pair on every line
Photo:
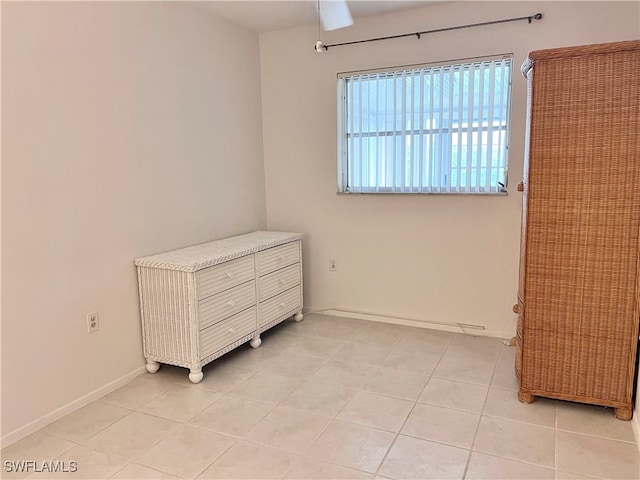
227, 303
277, 257
279, 281
224, 333
280, 305
222, 277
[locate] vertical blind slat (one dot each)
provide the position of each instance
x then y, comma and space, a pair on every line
351, 160
492, 89
376, 174
367, 170
480, 134
440, 172
417, 129
506, 75
460, 122
432, 183
411, 128
362, 155
421, 133
385, 167
450, 131
403, 174
469, 144
394, 185
500, 107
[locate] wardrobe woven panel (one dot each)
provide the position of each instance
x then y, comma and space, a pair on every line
581, 267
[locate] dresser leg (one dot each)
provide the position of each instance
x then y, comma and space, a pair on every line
255, 342
298, 316
152, 366
623, 413
525, 397
195, 375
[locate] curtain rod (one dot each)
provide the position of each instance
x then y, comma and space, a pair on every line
529, 19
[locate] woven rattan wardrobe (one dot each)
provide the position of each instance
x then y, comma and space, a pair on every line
579, 295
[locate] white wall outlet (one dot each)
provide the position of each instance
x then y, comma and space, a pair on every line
93, 322
332, 265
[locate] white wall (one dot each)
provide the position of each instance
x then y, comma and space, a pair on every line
442, 258
133, 128
128, 129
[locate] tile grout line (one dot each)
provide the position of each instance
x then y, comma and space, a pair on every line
235, 441
120, 469
524, 462
84, 442
555, 440
324, 362
384, 458
183, 423
591, 435
484, 405
332, 419
361, 389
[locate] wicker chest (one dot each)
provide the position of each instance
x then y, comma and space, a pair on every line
200, 302
579, 294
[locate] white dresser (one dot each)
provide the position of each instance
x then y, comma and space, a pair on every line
200, 302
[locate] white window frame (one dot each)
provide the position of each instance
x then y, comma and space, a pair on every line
470, 188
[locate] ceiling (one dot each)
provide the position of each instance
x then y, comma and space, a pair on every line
269, 15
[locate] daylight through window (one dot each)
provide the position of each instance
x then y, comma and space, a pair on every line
425, 129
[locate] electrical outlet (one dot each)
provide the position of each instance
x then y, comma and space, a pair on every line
332, 265
93, 322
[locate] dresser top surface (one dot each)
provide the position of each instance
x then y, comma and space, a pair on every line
197, 257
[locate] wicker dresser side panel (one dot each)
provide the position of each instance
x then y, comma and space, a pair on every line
169, 323
581, 295
574, 367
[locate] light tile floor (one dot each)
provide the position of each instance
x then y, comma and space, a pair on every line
337, 398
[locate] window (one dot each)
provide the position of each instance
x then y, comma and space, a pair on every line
425, 129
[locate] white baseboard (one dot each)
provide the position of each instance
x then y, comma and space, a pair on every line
58, 413
635, 424
446, 327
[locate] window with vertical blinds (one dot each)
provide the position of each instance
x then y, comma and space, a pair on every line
425, 129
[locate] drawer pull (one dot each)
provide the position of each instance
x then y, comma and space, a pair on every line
282, 304
282, 281
231, 303
232, 330
229, 274
281, 257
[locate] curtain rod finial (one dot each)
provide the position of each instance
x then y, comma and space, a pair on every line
320, 47
537, 16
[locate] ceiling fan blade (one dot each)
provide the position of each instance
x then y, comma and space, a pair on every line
335, 14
